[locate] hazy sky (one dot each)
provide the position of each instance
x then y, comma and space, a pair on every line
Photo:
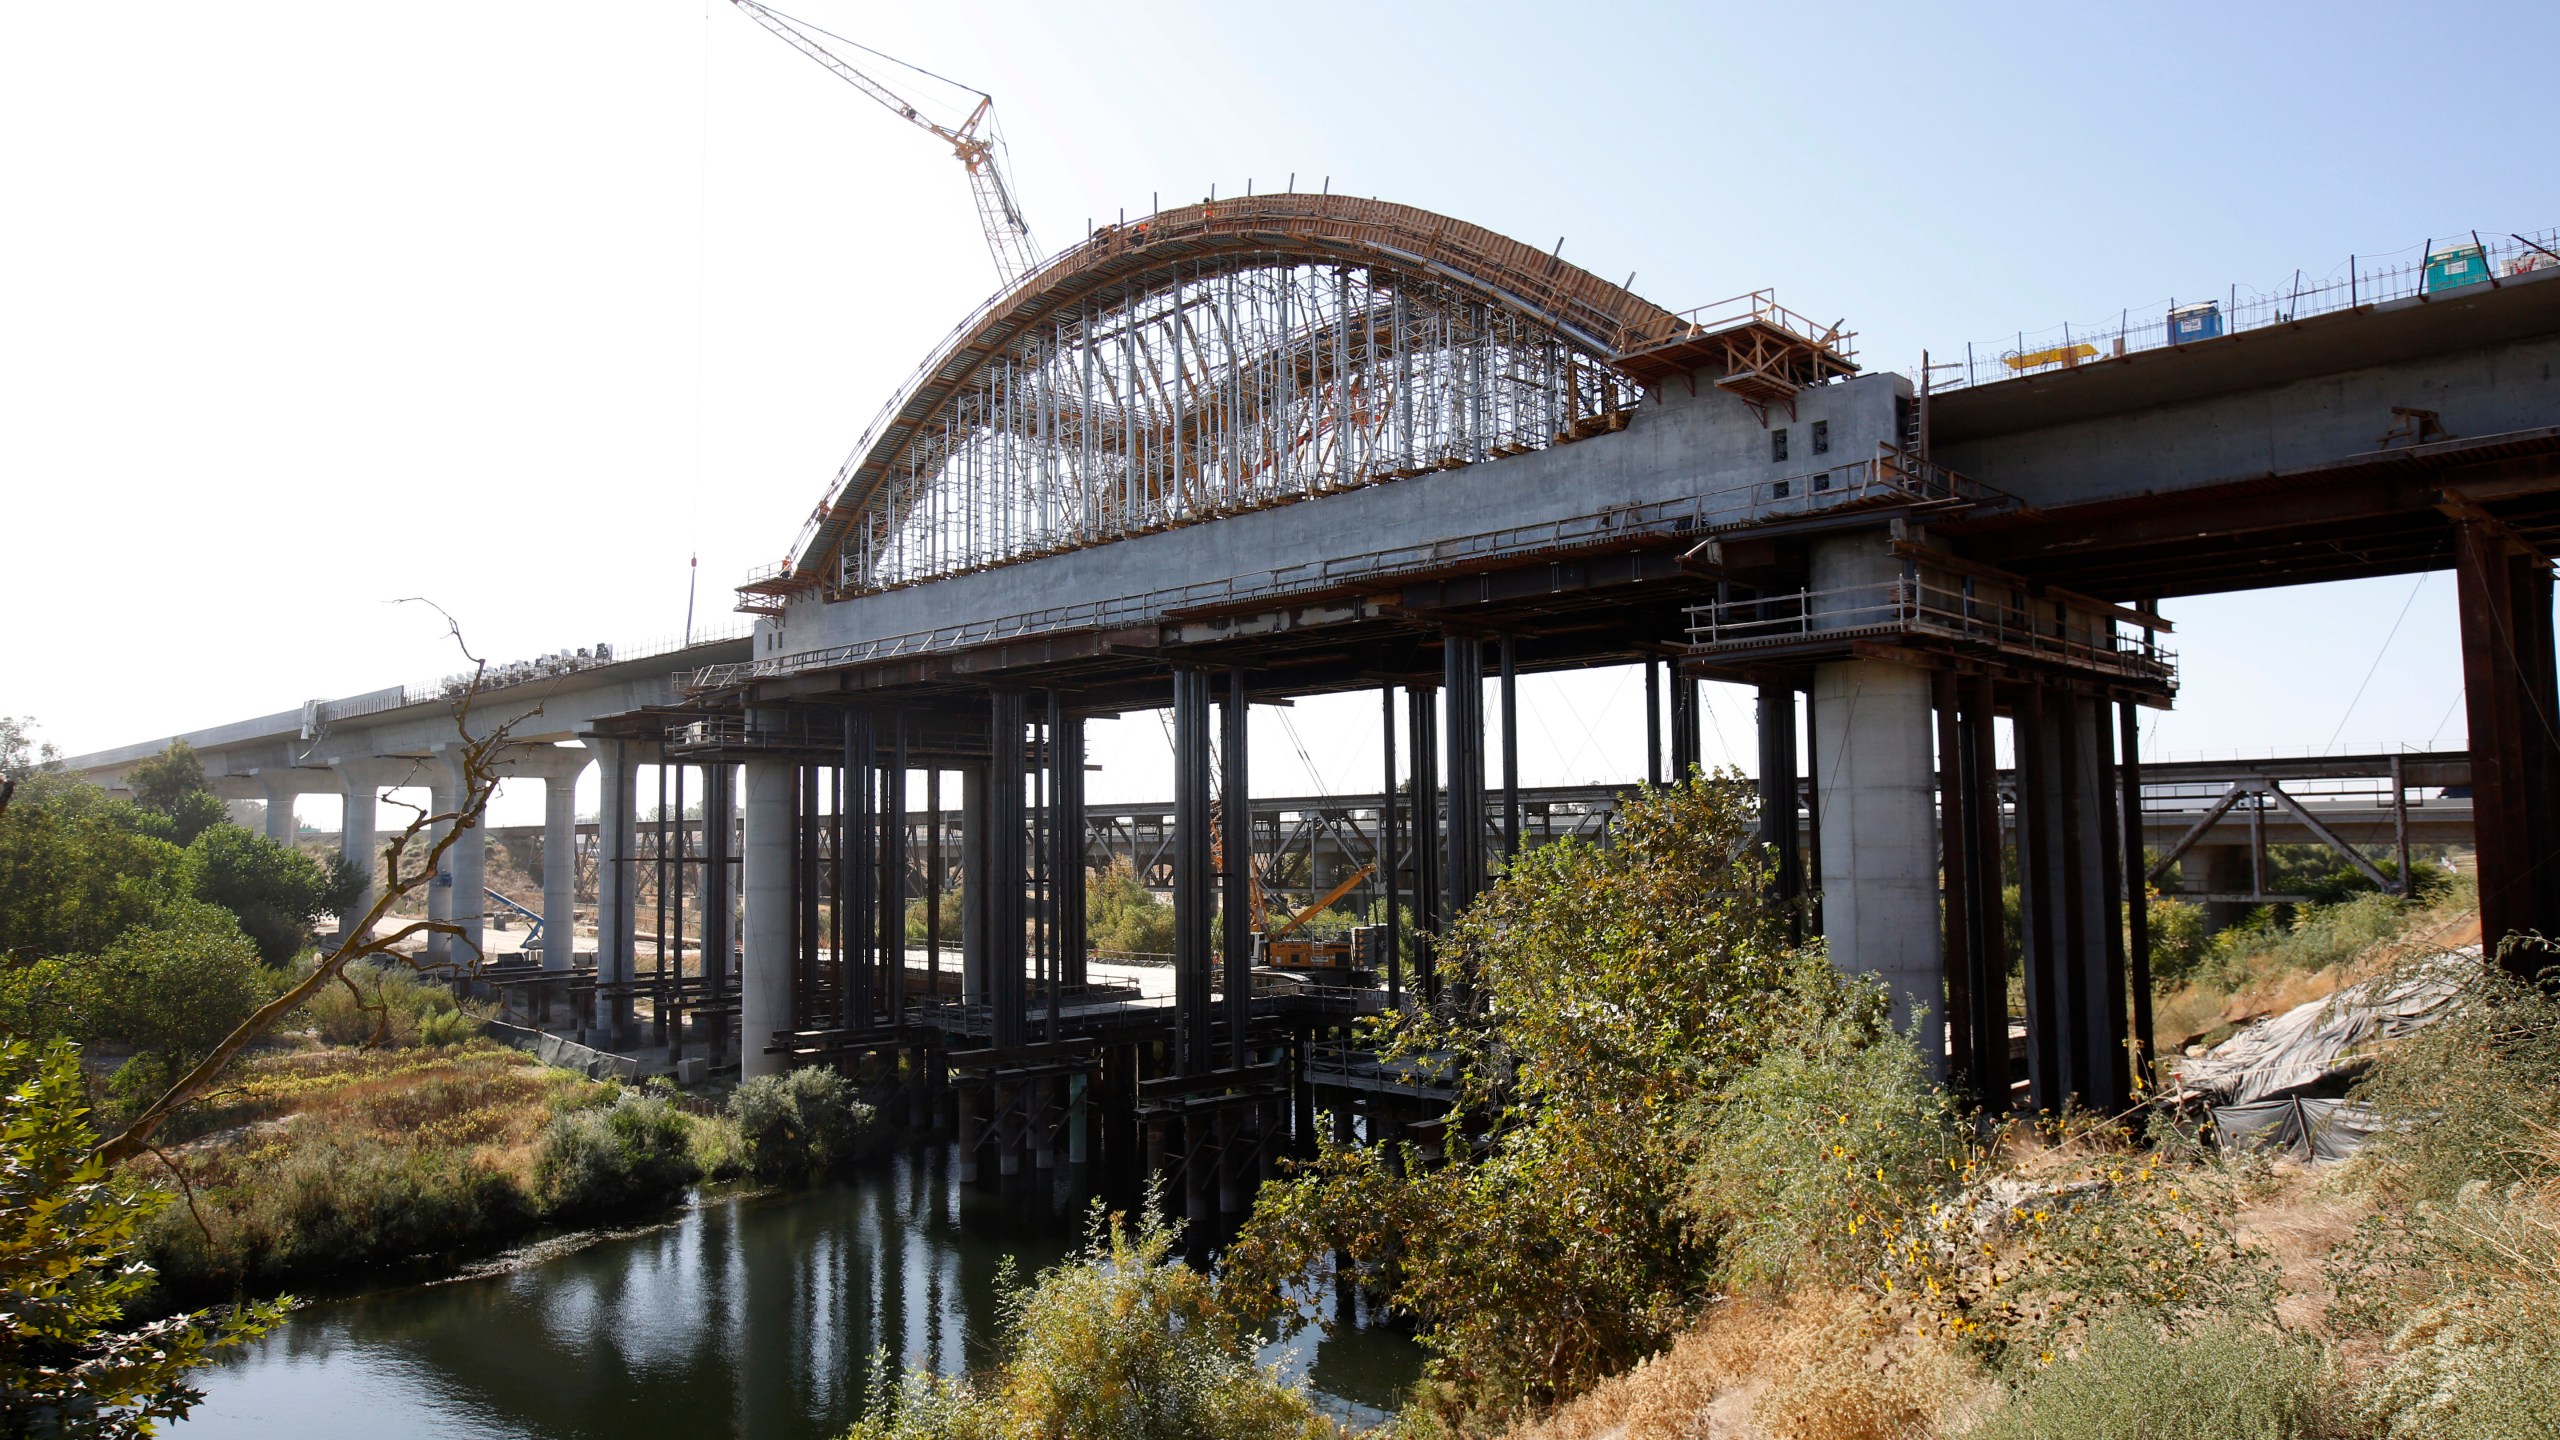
305, 306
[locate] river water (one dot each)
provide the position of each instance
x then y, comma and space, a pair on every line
748, 1316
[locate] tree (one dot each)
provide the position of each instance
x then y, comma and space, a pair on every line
78, 868
22, 756
69, 1269
168, 778
1121, 1342
277, 891
1597, 998
1122, 915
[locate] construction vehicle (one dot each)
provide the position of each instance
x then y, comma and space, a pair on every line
972, 140
1332, 956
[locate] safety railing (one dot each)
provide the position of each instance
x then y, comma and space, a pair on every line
1758, 305
2438, 266
2056, 631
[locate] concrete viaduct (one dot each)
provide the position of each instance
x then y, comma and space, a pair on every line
1297, 444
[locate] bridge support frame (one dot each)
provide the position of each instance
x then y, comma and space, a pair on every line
2508, 684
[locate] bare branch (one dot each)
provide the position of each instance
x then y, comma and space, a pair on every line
479, 767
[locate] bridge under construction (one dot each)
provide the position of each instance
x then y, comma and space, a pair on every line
1241, 452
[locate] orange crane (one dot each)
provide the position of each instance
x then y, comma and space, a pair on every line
1008, 234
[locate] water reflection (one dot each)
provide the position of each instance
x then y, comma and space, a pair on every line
748, 1317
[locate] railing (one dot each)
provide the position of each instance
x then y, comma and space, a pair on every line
2432, 268
1890, 474
2058, 631
1759, 305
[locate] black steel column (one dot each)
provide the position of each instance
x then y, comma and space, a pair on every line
2048, 1022
935, 876
1388, 805
2137, 883
1005, 870
719, 822
1066, 839
1235, 884
1989, 941
1652, 723
1955, 871
1780, 824
1687, 752
1462, 711
2110, 1062
856, 1000
2508, 696
1422, 732
889, 861
1510, 692
1191, 872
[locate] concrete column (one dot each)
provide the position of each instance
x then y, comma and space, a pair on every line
764, 880
2218, 868
558, 767
616, 896
1872, 733
280, 793
361, 781
466, 862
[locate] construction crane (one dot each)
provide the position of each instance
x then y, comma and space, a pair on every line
1008, 234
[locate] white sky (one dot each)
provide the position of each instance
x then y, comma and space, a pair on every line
305, 307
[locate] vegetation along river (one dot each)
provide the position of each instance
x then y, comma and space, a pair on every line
748, 1315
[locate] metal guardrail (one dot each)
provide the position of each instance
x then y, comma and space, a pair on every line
2429, 270
2059, 631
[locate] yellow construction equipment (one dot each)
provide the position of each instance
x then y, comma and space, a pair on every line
1332, 953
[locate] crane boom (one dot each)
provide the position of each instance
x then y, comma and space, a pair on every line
1008, 235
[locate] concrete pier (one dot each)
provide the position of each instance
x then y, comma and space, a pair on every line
764, 880
1872, 731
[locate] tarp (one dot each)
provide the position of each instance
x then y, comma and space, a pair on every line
2298, 1125
563, 1054
2317, 1044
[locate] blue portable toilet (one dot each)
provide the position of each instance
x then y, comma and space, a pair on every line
2194, 322
2454, 267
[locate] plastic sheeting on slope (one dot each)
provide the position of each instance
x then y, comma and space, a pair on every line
2317, 1043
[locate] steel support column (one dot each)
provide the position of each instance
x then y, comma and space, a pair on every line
2507, 672
1191, 872
1001, 910
1235, 879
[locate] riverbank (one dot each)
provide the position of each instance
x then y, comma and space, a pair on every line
319, 1160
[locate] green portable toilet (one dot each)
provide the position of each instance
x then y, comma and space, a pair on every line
2454, 267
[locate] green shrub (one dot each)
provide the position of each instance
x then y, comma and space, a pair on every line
954, 915
1616, 990
173, 987
2135, 1381
78, 869
1802, 1161
1123, 915
2318, 936
636, 1150
2178, 941
277, 891
1121, 1342
71, 1362
800, 1123
388, 1004
331, 1204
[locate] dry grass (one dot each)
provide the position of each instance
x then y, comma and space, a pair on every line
1819, 1365
485, 1100
2203, 1008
